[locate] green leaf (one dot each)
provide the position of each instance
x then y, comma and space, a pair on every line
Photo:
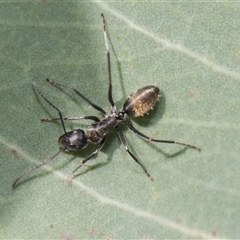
191, 51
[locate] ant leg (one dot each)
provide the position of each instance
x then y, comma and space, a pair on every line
121, 136
34, 168
130, 126
78, 93
95, 119
108, 61
51, 104
100, 145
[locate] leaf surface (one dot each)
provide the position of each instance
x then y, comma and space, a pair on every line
191, 51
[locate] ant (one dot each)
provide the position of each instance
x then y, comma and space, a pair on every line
137, 104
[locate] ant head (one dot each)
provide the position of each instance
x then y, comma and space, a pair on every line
73, 140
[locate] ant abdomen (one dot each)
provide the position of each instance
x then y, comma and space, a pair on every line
141, 101
73, 140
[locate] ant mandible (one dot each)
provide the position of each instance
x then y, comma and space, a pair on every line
137, 104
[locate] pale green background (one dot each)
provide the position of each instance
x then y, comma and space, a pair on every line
191, 51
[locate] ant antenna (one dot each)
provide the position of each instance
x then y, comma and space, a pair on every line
34, 168
108, 61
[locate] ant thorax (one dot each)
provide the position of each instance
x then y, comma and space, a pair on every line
98, 130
